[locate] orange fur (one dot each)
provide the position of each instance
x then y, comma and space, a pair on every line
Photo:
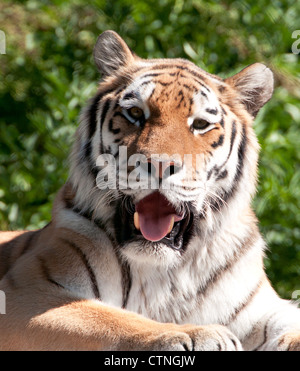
44, 317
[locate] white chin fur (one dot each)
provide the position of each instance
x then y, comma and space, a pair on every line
156, 254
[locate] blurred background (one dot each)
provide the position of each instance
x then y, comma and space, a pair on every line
47, 75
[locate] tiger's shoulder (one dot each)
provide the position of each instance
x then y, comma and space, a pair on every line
13, 244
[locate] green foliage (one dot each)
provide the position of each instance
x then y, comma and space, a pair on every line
47, 75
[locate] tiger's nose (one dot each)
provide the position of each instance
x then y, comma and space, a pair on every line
162, 168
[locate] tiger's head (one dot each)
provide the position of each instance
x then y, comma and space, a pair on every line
165, 150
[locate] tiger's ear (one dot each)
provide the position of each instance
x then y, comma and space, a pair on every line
255, 85
111, 53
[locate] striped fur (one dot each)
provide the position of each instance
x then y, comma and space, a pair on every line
89, 280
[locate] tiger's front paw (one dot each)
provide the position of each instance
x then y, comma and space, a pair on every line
289, 342
192, 338
214, 338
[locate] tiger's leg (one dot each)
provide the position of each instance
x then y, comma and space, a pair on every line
265, 322
47, 318
282, 329
270, 323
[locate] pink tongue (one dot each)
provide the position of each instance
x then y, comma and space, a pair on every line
155, 216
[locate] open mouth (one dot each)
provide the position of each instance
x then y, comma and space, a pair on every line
155, 220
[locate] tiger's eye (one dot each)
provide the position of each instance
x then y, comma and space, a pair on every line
136, 112
200, 124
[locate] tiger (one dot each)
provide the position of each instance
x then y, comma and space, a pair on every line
174, 267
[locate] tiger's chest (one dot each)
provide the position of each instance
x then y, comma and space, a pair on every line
163, 295
162, 303
155, 294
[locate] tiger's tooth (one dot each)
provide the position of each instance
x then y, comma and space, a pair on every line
171, 225
136, 220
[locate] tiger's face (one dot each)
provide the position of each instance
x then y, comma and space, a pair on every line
181, 143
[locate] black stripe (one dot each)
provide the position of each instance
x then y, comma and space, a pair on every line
111, 128
226, 195
241, 155
222, 122
105, 109
217, 169
126, 279
150, 96
93, 113
237, 255
46, 272
163, 67
281, 342
212, 111
145, 83
224, 112
232, 137
222, 175
30, 239
183, 68
85, 261
245, 303
88, 215
118, 91
125, 269
190, 88
181, 99
204, 94
209, 173
266, 329
93, 109
129, 95
152, 74
219, 142
164, 83
201, 77
102, 119
191, 101
192, 72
